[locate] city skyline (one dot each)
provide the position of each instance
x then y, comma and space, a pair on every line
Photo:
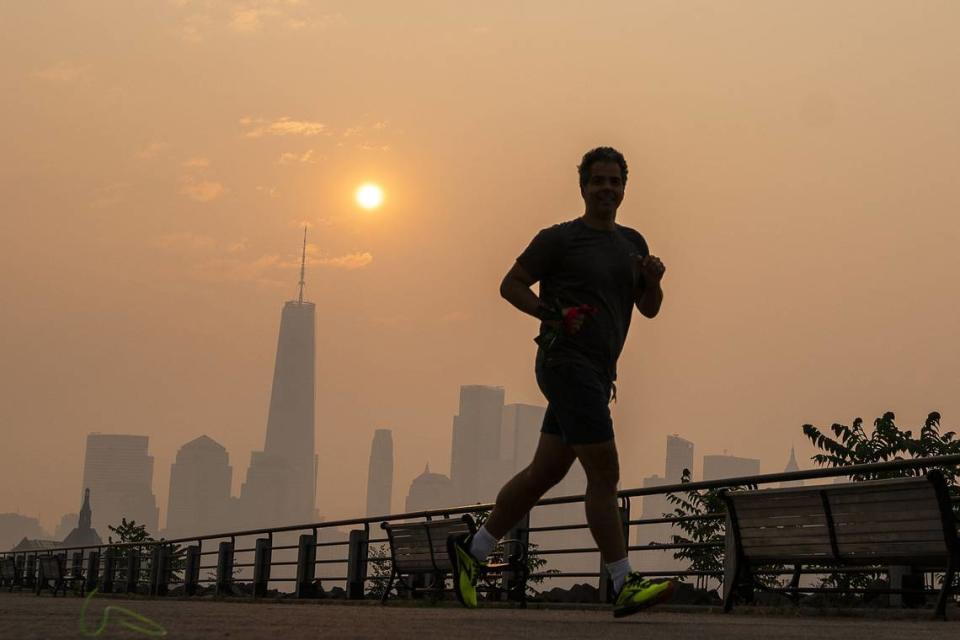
792, 164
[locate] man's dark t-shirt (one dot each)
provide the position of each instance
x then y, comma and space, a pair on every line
577, 264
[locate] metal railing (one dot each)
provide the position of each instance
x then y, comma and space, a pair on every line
292, 554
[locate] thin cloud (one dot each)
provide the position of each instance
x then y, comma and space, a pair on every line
349, 262
250, 17
258, 127
294, 158
201, 190
250, 20
109, 195
196, 163
265, 270
64, 72
152, 150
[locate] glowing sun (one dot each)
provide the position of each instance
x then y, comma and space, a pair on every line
369, 196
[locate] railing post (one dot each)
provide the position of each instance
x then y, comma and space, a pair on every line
133, 569
191, 572
76, 570
154, 569
261, 566
306, 566
19, 563
225, 568
515, 582
109, 558
159, 569
93, 569
357, 563
606, 584
30, 575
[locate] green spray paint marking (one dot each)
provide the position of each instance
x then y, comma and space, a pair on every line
129, 619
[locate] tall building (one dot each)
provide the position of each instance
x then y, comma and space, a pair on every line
429, 491
200, 479
791, 467
520, 433
118, 471
281, 480
679, 457
380, 474
476, 443
719, 467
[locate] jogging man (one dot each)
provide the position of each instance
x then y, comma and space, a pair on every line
592, 273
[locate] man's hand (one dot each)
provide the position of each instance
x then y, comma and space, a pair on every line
651, 270
572, 319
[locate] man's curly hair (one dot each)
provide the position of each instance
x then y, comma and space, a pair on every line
600, 154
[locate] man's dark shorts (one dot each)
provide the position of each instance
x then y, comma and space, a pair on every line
578, 402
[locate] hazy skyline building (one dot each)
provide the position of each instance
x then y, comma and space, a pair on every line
281, 481
68, 522
791, 467
118, 471
380, 474
520, 433
429, 491
83, 534
679, 457
720, 467
475, 446
200, 480
14, 527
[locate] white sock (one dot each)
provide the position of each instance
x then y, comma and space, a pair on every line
618, 572
482, 544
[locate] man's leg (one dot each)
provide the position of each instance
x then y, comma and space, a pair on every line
602, 467
551, 462
633, 593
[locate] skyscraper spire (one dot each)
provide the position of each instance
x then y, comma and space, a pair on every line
303, 263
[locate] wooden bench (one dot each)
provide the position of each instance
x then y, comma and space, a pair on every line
420, 549
53, 570
907, 521
10, 574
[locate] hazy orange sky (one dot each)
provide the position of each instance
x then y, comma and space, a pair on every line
794, 164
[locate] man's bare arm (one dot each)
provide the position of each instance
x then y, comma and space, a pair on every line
651, 272
515, 289
648, 302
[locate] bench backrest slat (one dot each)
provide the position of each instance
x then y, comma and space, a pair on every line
422, 546
872, 521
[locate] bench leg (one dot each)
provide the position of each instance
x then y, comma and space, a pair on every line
386, 592
731, 573
795, 584
941, 611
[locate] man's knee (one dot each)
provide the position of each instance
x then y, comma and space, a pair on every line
601, 465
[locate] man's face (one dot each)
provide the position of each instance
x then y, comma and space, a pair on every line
603, 192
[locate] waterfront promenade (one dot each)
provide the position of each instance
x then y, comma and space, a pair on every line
23, 615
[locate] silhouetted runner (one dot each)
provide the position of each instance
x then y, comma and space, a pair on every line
592, 273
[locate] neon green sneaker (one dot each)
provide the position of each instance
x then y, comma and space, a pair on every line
638, 593
465, 569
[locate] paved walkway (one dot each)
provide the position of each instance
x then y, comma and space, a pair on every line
23, 615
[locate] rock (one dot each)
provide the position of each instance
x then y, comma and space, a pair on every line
576, 593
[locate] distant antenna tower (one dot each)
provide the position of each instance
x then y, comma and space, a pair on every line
303, 263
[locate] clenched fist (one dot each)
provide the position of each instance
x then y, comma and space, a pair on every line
651, 269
